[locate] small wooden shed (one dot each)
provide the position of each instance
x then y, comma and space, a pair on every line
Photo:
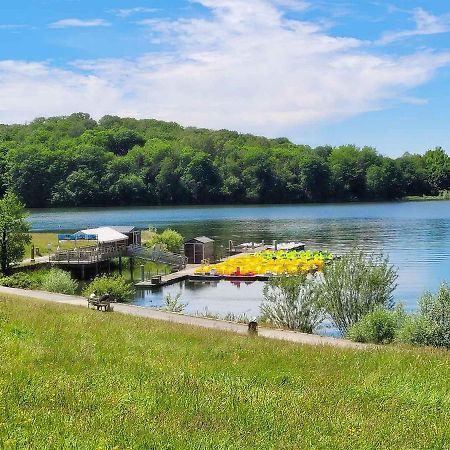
198, 249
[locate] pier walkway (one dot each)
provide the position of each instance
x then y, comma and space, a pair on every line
171, 278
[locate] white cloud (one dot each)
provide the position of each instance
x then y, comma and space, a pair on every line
67, 23
426, 24
247, 67
131, 11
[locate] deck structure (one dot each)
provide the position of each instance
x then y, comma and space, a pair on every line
111, 243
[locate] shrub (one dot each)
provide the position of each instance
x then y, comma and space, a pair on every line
431, 325
169, 240
174, 304
18, 280
355, 285
418, 330
292, 302
117, 287
58, 280
379, 326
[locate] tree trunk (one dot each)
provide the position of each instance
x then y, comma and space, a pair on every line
4, 254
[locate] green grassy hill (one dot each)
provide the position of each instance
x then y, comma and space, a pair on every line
74, 378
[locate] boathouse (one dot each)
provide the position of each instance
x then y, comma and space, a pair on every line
199, 249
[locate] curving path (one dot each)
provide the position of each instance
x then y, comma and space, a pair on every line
301, 338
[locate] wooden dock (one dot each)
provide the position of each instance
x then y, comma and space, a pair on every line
171, 278
189, 273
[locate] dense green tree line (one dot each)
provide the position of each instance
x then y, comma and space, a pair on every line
77, 161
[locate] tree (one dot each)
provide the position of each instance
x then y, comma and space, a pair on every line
293, 302
355, 285
201, 178
384, 181
437, 165
14, 231
81, 188
169, 239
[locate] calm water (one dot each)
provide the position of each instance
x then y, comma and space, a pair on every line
416, 237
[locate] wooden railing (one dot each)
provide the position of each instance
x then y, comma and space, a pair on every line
158, 256
87, 255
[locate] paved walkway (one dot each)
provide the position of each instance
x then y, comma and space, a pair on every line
155, 314
37, 260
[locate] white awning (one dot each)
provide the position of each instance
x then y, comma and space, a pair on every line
106, 234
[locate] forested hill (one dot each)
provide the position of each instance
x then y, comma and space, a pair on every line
77, 161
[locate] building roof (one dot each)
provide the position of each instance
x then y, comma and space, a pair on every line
201, 239
106, 234
125, 229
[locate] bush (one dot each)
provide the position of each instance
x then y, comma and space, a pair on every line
18, 280
431, 325
169, 240
379, 326
418, 330
117, 287
58, 280
292, 302
173, 304
355, 285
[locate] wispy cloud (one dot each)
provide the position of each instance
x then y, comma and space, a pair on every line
79, 23
12, 26
246, 66
426, 24
132, 11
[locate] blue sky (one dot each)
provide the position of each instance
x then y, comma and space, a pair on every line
368, 72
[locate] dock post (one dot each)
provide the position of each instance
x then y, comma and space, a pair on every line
131, 262
142, 272
32, 254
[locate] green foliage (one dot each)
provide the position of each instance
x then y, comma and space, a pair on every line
76, 161
380, 326
20, 280
431, 325
57, 280
174, 304
419, 330
292, 302
118, 288
355, 285
169, 240
73, 378
14, 231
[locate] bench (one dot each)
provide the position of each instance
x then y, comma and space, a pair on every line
101, 304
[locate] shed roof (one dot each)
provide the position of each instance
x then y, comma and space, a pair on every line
105, 234
125, 228
201, 240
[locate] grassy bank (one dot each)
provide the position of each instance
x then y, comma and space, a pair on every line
425, 198
41, 241
74, 378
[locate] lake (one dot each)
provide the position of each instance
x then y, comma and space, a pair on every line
415, 236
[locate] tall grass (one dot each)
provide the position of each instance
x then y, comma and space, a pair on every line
74, 378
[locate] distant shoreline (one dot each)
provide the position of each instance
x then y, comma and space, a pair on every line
409, 198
